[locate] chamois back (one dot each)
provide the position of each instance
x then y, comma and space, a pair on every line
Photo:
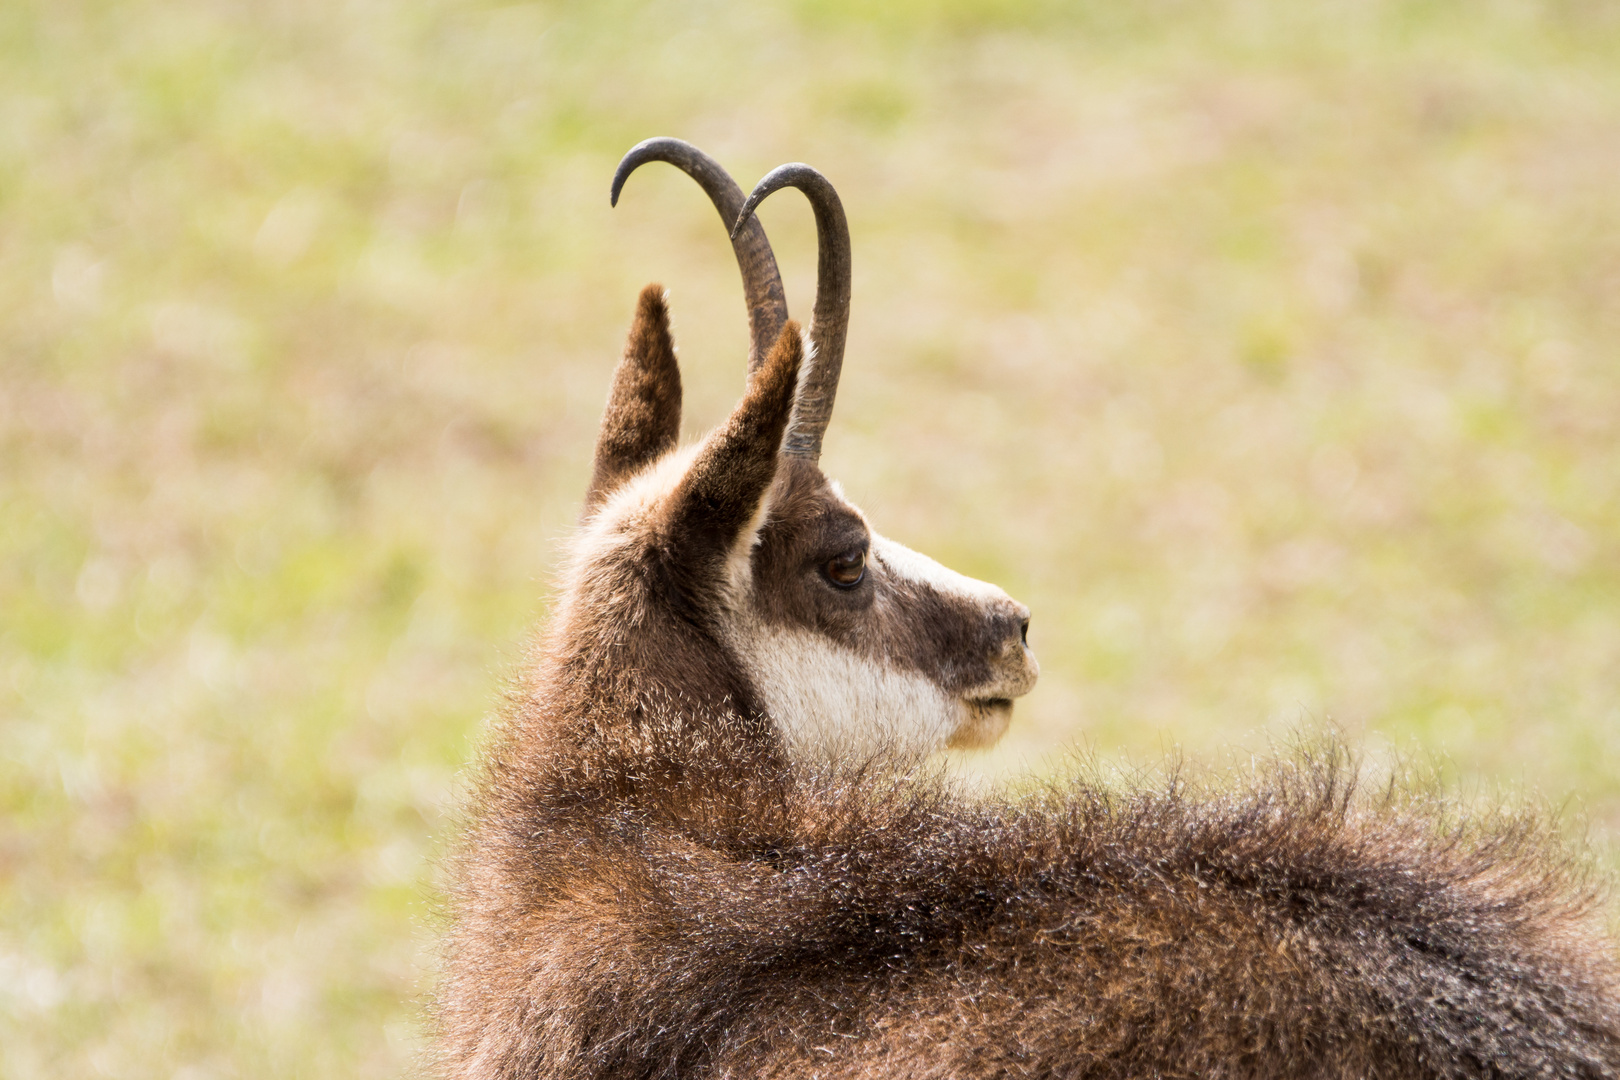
879, 922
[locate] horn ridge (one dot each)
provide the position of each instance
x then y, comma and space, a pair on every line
762, 282
829, 325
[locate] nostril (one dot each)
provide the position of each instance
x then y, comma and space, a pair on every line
1023, 631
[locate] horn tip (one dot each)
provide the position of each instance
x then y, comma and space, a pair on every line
749, 205
792, 174
620, 175
659, 146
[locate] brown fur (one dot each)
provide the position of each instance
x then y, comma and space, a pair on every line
651, 887
645, 420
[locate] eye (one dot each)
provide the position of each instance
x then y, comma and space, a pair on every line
846, 570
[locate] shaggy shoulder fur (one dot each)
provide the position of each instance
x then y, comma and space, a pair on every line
663, 914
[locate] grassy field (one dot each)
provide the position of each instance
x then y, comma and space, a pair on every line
1269, 351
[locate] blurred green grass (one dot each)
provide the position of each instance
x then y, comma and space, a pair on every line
1267, 350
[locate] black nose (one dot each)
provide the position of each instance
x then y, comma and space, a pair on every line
1007, 620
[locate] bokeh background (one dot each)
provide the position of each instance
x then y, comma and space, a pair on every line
1270, 351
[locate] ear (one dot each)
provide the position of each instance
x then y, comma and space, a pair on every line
643, 417
724, 490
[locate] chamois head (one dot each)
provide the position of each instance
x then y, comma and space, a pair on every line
846, 641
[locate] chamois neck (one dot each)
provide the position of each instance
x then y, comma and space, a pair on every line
634, 701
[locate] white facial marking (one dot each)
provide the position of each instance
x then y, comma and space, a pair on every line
909, 565
833, 704
739, 560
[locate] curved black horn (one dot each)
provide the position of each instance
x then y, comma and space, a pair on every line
830, 323
762, 283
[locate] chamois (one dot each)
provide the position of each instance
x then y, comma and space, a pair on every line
704, 840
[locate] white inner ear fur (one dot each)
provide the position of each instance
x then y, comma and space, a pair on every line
629, 503
807, 363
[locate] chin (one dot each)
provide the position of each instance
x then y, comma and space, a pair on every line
984, 722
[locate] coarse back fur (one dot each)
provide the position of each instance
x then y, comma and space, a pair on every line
844, 923
706, 840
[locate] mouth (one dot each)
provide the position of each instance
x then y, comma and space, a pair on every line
984, 722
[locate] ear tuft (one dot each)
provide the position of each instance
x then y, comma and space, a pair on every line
643, 417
